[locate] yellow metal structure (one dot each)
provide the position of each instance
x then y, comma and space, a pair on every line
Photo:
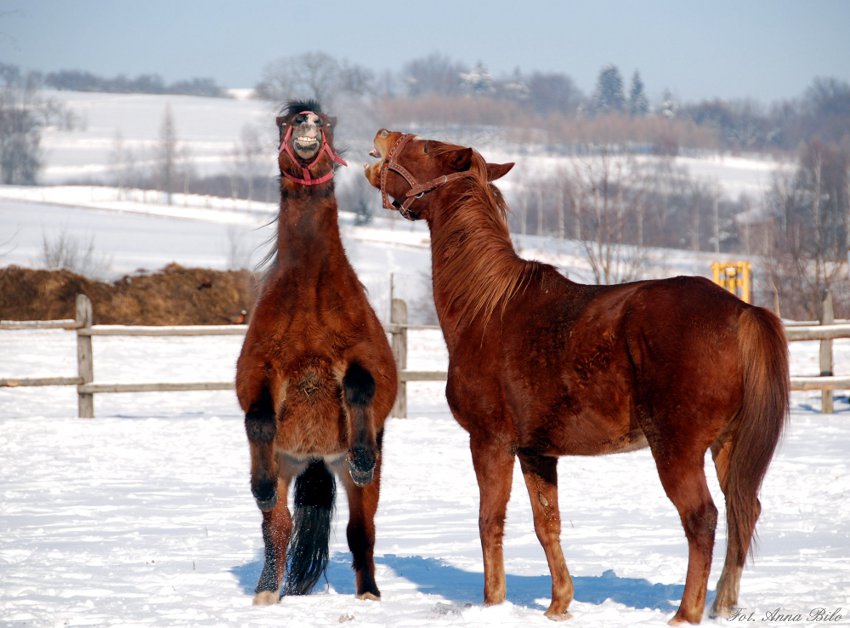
734, 276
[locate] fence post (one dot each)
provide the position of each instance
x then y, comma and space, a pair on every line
85, 357
398, 319
826, 367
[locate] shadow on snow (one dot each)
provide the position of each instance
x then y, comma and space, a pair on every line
433, 576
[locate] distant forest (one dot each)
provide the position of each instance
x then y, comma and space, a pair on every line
438, 91
79, 81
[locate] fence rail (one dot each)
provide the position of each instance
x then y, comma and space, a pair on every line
397, 328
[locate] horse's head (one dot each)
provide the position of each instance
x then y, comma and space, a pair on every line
306, 153
410, 168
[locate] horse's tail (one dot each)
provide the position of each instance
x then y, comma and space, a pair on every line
307, 556
760, 421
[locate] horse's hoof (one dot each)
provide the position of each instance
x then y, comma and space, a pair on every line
369, 596
361, 465
678, 619
266, 598
361, 478
558, 616
266, 498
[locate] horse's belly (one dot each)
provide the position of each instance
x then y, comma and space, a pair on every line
593, 435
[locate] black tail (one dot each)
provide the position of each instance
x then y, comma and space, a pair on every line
307, 556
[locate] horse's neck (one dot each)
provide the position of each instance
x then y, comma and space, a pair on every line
308, 231
476, 271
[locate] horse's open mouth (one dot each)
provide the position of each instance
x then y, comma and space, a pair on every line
306, 144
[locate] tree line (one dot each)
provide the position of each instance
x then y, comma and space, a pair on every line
608, 197
80, 81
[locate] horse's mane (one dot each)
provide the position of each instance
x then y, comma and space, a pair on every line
481, 271
297, 106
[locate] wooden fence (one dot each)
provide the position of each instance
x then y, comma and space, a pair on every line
398, 330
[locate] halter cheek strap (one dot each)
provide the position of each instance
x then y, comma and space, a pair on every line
305, 170
417, 190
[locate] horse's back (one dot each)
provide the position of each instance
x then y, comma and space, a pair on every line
612, 362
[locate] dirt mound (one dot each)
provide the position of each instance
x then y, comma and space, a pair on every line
172, 296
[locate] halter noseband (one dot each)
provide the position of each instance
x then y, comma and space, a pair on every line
307, 177
417, 190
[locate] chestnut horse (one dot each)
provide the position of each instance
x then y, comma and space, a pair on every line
540, 367
316, 377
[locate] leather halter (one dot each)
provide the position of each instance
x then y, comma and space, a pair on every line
417, 190
307, 177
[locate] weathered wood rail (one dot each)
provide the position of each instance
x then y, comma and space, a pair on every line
398, 329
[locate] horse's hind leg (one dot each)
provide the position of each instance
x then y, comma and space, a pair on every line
362, 506
358, 387
541, 479
684, 482
737, 539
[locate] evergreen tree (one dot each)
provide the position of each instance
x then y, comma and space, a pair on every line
609, 97
638, 103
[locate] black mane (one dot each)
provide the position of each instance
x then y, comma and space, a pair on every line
293, 107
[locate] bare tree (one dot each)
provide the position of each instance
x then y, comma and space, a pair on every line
313, 75
808, 249
434, 74
249, 159
611, 204
123, 163
21, 121
67, 252
166, 155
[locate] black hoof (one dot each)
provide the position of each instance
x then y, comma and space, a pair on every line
361, 478
361, 465
265, 495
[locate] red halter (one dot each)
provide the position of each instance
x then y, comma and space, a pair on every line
308, 178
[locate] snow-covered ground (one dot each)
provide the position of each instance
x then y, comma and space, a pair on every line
143, 516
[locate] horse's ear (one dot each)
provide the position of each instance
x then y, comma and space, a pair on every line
497, 171
461, 159
279, 120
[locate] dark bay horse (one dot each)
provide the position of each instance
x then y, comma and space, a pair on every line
540, 367
316, 377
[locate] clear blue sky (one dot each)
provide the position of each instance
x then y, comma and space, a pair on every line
765, 50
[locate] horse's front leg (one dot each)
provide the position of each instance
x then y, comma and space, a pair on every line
541, 480
362, 506
261, 429
493, 460
277, 530
358, 388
